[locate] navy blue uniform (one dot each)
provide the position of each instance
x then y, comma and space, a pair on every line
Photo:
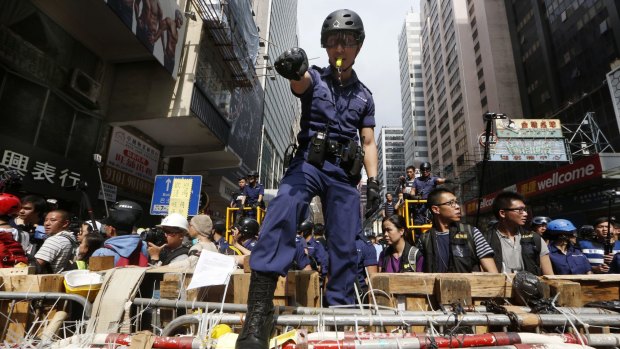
301, 259
249, 244
344, 110
423, 186
572, 263
317, 251
366, 256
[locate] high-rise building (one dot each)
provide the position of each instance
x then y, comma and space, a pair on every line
390, 146
277, 23
412, 91
563, 51
468, 69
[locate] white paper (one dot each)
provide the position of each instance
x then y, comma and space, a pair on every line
212, 269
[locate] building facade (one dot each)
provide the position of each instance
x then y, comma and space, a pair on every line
390, 145
277, 23
468, 69
176, 96
412, 91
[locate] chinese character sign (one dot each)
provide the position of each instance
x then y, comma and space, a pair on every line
528, 128
132, 155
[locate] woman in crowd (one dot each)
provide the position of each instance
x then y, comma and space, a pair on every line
400, 256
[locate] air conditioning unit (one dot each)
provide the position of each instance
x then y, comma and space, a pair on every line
85, 86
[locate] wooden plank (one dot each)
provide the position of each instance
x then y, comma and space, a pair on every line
417, 303
595, 290
488, 285
404, 283
303, 288
100, 263
569, 293
452, 289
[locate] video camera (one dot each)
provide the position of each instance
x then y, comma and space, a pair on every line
154, 235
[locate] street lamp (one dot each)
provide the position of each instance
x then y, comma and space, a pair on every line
488, 118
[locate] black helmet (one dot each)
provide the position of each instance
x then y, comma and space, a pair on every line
219, 226
248, 227
124, 215
305, 228
342, 20
253, 174
425, 166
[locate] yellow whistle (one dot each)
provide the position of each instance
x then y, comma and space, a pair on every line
338, 62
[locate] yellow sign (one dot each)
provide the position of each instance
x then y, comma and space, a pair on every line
179, 196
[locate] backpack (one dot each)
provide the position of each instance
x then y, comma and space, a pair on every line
11, 251
135, 258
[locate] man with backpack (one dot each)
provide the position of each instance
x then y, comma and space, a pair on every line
127, 248
451, 246
59, 248
516, 248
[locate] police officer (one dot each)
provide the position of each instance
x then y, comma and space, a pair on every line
565, 258
219, 238
246, 235
253, 194
539, 226
337, 112
422, 186
367, 260
594, 247
316, 252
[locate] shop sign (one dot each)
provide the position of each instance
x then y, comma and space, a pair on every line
128, 181
131, 155
528, 150
39, 171
110, 192
585, 169
528, 128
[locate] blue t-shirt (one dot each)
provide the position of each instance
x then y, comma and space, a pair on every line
572, 263
346, 109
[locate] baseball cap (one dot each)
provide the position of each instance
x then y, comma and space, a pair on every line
124, 215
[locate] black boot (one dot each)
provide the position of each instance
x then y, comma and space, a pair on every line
258, 323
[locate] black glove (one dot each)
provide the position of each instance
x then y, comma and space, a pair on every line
292, 64
372, 196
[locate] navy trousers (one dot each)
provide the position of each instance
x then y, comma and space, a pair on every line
340, 199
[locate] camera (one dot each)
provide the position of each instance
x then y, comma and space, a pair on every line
155, 236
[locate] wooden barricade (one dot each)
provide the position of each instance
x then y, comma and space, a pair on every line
21, 314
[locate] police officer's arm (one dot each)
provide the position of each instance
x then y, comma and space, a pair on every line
440, 180
488, 265
545, 265
300, 86
370, 151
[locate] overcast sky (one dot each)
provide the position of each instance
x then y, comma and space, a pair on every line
377, 64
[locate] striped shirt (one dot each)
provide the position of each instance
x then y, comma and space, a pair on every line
57, 250
595, 251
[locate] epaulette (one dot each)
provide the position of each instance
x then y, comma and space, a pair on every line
365, 87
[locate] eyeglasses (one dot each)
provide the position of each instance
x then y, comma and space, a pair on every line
452, 203
172, 232
516, 209
346, 40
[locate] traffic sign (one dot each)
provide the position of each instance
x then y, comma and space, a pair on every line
176, 194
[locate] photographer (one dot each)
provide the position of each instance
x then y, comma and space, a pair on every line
175, 228
127, 248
